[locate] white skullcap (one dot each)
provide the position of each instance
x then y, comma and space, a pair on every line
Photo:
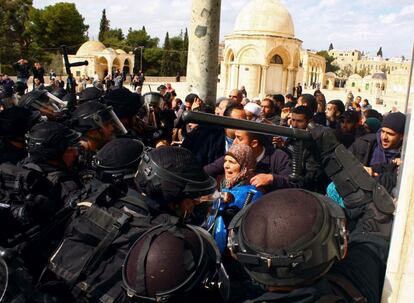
254, 108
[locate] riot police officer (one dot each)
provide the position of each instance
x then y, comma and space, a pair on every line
174, 181
47, 104
294, 243
14, 123
173, 262
158, 119
54, 149
97, 123
90, 94
126, 106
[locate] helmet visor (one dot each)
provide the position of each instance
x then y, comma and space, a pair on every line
4, 277
153, 99
108, 121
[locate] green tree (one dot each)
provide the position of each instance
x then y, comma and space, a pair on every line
56, 25
166, 63
115, 38
184, 54
330, 66
136, 38
103, 27
14, 41
152, 61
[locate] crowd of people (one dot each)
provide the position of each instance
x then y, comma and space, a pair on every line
120, 200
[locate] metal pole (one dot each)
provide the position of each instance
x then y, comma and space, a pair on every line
141, 48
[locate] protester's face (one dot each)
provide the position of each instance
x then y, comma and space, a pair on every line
331, 112
236, 96
347, 126
390, 139
242, 137
267, 108
231, 167
236, 114
299, 121
188, 105
358, 99
220, 109
250, 115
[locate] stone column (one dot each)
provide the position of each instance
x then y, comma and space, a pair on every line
204, 37
235, 83
285, 76
264, 80
399, 278
290, 83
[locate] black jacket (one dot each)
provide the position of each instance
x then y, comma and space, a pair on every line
206, 143
22, 70
363, 147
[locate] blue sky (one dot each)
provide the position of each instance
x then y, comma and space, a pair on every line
361, 24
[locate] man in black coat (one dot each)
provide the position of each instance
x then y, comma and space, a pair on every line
207, 143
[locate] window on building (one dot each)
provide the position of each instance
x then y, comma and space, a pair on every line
78, 73
276, 59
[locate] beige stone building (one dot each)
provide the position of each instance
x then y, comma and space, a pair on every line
346, 59
371, 65
101, 59
263, 53
312, 69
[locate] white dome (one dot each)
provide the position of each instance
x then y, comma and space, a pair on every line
90, 47
265, 17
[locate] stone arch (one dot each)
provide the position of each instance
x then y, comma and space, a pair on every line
276, 59
127, 67
229, 56
282, 52
116, 65
249, 54
101, 67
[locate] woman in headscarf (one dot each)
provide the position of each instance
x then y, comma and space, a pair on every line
239, 168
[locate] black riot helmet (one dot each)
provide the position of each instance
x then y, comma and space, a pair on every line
288, 237
174, 263
118, 160
16, 121
170, 174
93, 115
90, 94
44, 102
124, 103
49, 140
59, 92
151, 102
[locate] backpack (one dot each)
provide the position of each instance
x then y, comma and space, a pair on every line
89, 259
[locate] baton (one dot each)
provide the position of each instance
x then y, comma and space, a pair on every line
254, 127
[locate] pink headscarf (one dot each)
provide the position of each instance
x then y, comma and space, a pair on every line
243, 154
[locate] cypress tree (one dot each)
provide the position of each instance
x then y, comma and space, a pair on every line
103, 27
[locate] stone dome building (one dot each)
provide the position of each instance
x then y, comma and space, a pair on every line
262, 53
101, 59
